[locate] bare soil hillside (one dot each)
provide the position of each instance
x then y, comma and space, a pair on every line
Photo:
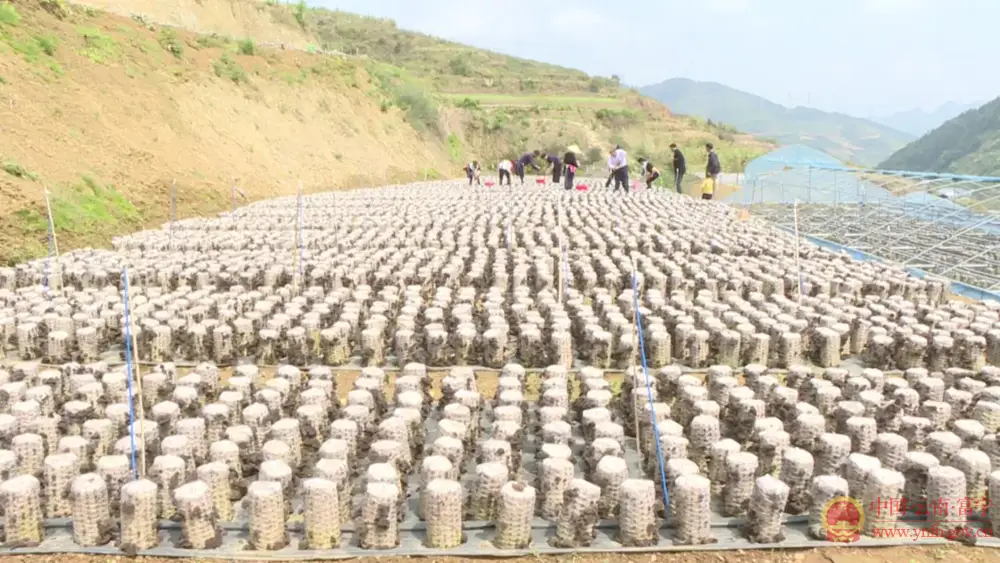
108, 103
230, 18
108, 112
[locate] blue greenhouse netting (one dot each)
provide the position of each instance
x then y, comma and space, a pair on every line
936, 224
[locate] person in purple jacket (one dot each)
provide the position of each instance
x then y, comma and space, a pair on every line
556, 165
527, 159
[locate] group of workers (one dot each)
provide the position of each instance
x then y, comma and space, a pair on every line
563, 169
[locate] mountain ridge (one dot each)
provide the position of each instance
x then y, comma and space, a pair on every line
848, 138
966, 144
918, 121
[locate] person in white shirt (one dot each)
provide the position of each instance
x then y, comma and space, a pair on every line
620, 166
503, 169
611, 169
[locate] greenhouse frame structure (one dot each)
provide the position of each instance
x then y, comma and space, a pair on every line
945, 225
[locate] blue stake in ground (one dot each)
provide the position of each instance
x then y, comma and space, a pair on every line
130, 367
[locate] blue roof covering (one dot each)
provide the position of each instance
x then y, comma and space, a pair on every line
798, 172
789, 155
940, 175
808, 175
803, 156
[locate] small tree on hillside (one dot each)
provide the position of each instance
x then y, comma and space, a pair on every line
300, 13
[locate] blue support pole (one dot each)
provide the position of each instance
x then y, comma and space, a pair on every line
649, 389
129, 367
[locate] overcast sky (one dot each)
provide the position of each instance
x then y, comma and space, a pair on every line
863, 57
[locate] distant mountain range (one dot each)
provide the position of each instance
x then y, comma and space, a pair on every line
851, 139
917, 121
966, 144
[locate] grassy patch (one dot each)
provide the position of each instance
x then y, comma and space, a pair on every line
99, 48
14, 169
86, 208
451, 67
24, 251
209, 42
32, 48
225, 67
9, 15
147, 46
420, 109
292, 78
467, 103
246, 47
27, 48
58, 8
171, 43
340, 69
617, 119
408, 94
533, 100
456, 153
460, 66
47, 44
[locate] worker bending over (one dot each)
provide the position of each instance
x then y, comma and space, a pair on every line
619, 165
527, 159
556, 163
651, 174
569, 161
503, 170
472, 172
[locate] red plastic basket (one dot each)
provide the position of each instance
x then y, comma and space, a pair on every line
488, 184
539, 180
582, 187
